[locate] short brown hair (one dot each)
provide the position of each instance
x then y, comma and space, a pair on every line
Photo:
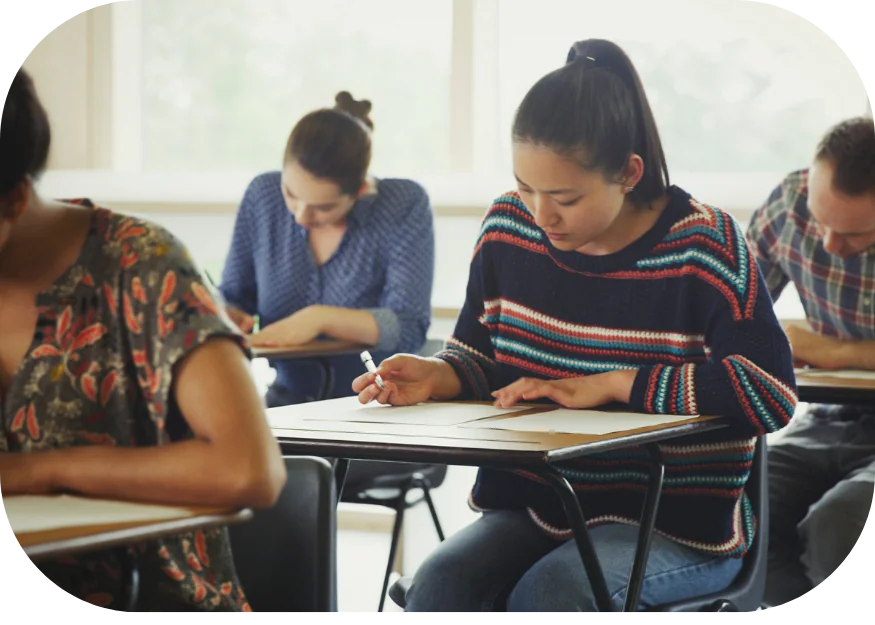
850, 148
335, 144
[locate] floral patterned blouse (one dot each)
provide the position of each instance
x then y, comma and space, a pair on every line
99, 372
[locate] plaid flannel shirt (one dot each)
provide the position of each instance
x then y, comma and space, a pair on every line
838, 294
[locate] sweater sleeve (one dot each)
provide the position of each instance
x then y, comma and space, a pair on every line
748, 377
404, 312
469, 350
239, 286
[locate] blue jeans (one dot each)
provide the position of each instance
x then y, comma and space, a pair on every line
504, 561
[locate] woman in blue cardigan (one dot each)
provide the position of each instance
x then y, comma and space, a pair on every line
322, 249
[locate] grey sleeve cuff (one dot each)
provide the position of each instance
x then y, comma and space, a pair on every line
389, 328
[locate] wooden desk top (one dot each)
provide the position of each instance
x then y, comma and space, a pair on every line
466, 445
834, 390
54, 543
314, 349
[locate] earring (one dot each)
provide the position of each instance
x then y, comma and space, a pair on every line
628, 189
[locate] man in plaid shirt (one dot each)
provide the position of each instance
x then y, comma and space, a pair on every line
817, 229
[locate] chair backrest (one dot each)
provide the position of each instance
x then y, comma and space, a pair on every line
750, 584
436, 474
286, 556
431, 347
746, 591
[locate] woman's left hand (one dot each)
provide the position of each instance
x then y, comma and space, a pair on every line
297, 329
585, 392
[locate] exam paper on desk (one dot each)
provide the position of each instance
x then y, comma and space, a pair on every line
592, 422
348, 409
849, 374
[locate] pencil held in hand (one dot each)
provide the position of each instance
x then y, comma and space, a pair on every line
369, 365
245, 322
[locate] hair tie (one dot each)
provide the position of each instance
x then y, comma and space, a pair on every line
578, 56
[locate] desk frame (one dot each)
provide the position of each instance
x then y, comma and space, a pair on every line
825, 390
542, 463
118, 537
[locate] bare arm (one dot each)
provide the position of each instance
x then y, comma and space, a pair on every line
232, 461
856, 355
349, 324
827, 352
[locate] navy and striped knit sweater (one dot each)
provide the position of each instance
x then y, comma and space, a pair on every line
685, 305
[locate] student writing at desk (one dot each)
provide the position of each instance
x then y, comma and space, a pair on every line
817, 229
321, 249
120, 379
597, 282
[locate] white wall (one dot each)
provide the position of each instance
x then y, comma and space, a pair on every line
60, 66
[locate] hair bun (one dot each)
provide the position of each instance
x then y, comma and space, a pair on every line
357, 108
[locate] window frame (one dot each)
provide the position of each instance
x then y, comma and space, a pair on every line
465, 190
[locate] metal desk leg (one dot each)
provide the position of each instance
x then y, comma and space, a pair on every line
130, 579
645, 529
327, 379
577, 522
340, 471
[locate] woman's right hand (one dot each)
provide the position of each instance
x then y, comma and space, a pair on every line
245, 322
408, 380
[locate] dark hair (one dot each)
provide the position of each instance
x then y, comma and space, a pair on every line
24, 134
594, 110
335, 143
850, 148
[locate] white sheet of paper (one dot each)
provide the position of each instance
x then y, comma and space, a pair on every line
594, 422
850, 374
348, 409
36, 513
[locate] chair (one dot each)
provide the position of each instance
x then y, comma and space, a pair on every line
286, 556
388, 484
745, 593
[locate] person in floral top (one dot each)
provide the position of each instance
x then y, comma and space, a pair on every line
120, 378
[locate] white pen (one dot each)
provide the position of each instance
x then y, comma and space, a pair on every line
369, 365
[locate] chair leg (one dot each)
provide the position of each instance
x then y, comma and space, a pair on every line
396, 533
426, 493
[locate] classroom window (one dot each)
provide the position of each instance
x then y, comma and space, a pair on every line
735, 86
224, 81
203, 94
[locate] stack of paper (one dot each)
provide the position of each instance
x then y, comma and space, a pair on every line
592, 422
349, 410
849, 374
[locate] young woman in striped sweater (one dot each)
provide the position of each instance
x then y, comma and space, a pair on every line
598, 282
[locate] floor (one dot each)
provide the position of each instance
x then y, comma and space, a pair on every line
361, 563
